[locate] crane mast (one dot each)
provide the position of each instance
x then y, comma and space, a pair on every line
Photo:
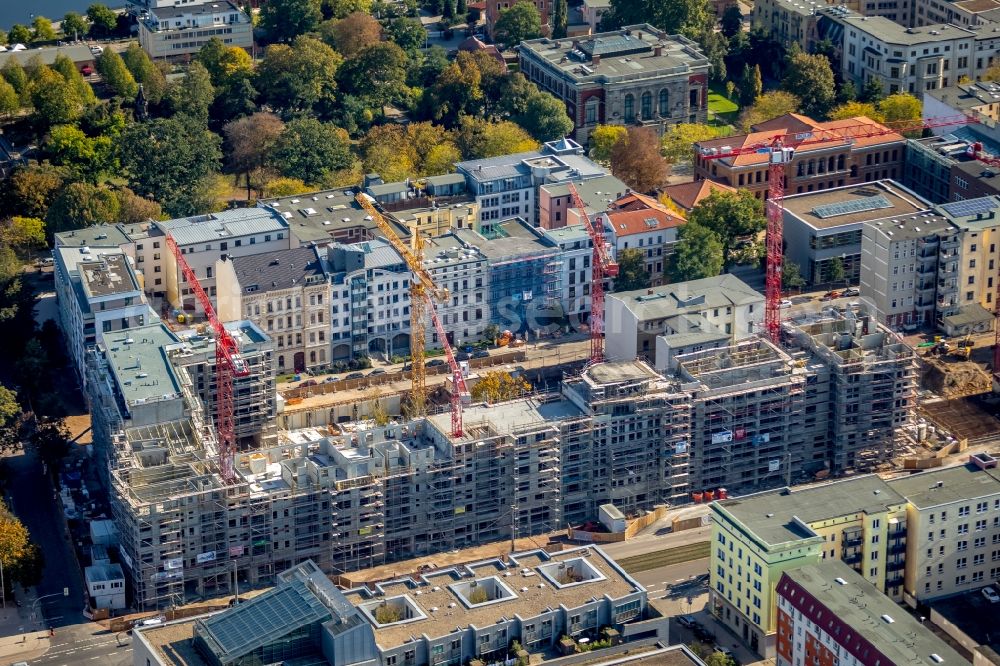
228, 364
602, 265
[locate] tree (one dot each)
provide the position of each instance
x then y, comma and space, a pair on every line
719, 659
603, 139
250, 139
545, 118
810, 77
448, 11
116, 75
284, 20
636, 160
67, 69
691, 18
28, 571
871, 92
309, 149
834, 270
167, 159
51, 441
518, 23
300, 77
224, 62
560, 19
632, 273
900, 107
731, 21
768, 106
478, 138
376, 74
74, 26
698, 254
751, 86
103, 21
55, 99
193, 95
408, 33
14, 74
419, 149
731, 215
19, 34
847, 92
677, 145
352, 33
14, 540
23, 233
9, 100
341, 8
80, 205
133, 209
854, 110
236, 100
84, 157
145, 72
284, 187
791, 275
499, 386
42, 30
31, 189
9, 407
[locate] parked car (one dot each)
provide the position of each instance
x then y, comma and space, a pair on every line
462, 356
481, 353
330, 380
785, 304
851, 291
355, 375
687, 621
991, 595
702, 633
830, 295
433, 363
377, 371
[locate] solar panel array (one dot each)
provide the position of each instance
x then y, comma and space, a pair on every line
254, 623
852, 206
970, 207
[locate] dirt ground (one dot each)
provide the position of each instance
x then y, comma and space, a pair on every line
964, 418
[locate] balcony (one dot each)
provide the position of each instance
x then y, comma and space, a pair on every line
854, 558
897, 547
897, 565
852, 541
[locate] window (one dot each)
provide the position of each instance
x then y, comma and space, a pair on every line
664, 102
963, 528
647, 105
629, 108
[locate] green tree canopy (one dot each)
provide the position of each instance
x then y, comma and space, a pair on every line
10, 102
74, 26
42, 30
116, 75
677, 144
23, 234
768, 106
167, 159
84, 157
751, 86
14, 74
9, 408
309, 150
518, 23
692, 18
478, 138
67, 69
55, 99
81, 205
284, 20
145, 72
103, 21
791, 275
19, 34
376, 74
810, 77
899, 107
731, 21
408, 33
298, 78
698, 254
224, 63
560, 18
632, 273
731, 215
341, 8
545, 118
193, 95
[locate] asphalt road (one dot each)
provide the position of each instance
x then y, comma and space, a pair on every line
101, 648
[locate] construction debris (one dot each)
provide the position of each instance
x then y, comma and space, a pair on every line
951, 379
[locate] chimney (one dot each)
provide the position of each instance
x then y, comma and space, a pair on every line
658, 50
638, 34
595, 60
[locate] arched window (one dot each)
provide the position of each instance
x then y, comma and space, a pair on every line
647, 105
629, 109
664, 102
590, 111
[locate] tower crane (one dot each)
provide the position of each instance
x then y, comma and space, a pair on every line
423, 294
602, 265
228, 364
780, 149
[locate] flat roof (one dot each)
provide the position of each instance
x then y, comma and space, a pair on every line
516, 238
626, 53
967, 96
692, 296
597, 193
139, 362
108, 275
509, 416
886, 30
613, 372
768, 515
317, 216
534, 593
862, 607
221, 226
972, 214
973, 615
569, 234
855, 204
944, 486
101, 235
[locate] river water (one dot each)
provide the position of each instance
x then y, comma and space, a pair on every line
21, 11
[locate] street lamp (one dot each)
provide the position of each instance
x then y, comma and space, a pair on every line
64, 593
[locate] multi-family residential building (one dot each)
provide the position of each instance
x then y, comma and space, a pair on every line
758, 538
828, 614
97, 293
464, 271
639, 222
820, 166
637, 75
577, 272
506, 186
824, 228
968, 266
285, 293
953, 518
788, 22
942, 168
555, 206
679, 318
902, 59
179, 30
327, 216
902, 275
534, 599
433, 206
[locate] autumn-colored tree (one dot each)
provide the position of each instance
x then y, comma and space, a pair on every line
133, 209
900, 107
498, 386
352, 33
14, 540
603, 139
250, 139
478, 138
23, 234
636, 160
768, 106
677, 145
284, 187
854, 110
30, 190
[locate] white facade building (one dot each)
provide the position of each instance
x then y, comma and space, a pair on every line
182, 28
106, 586
577, 271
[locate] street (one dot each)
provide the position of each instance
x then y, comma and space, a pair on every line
86, 648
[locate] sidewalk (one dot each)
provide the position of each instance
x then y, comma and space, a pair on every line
20, 638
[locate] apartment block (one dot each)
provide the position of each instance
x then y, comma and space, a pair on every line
176, 31
852, 160
902, 59
639, 222
829, 614
555, 206
328, 216
98, 293
285, 293
788, 22
658, 323
900, 272
968, 265
757, 538
464, 270
953, 516
942, 168
433, 206
637, 75
824, 228
577, 272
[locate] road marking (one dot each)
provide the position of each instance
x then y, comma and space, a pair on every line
97, 657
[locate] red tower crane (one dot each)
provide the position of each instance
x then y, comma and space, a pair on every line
780, 148
459, 390
228, 364
602, 265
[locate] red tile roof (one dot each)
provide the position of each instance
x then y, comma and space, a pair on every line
642, 221
687, 195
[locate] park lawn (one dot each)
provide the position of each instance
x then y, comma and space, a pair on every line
720, 105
